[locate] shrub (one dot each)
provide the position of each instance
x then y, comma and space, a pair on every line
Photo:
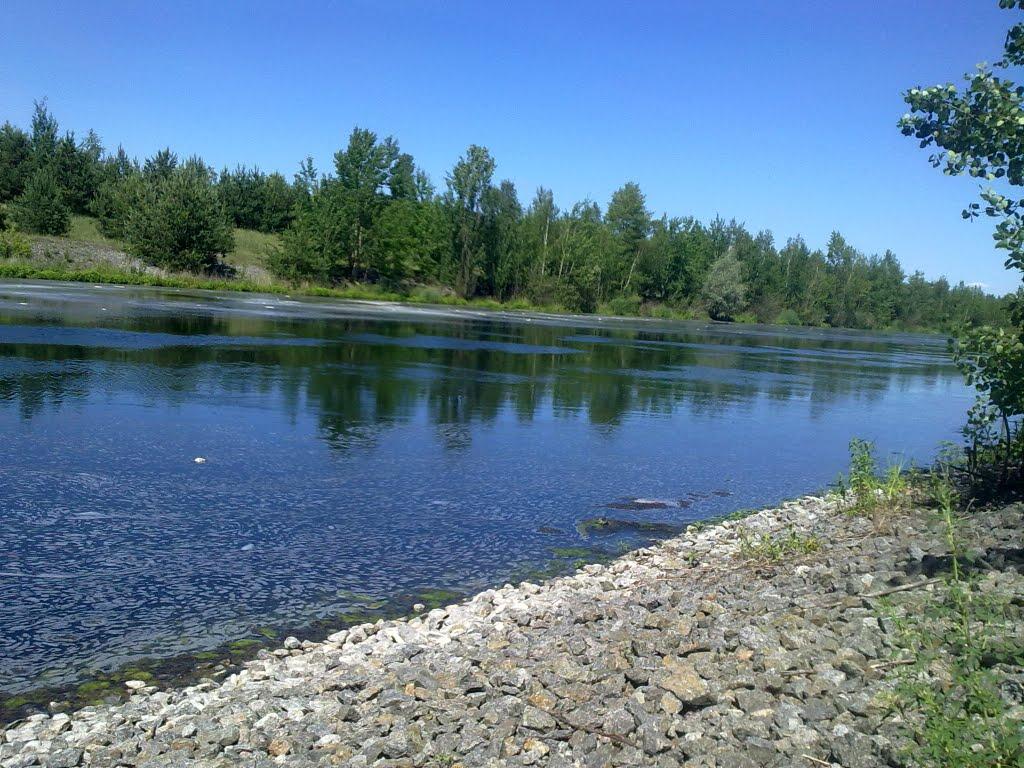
114, 202
787, 317
622, 305
876, 494
13, 244
429, 294
565, 292
665, 312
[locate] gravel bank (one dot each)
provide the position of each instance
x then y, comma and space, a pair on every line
688, 653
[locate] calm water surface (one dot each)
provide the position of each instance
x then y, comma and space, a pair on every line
356, 452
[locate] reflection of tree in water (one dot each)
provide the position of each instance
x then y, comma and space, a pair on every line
35, 392
359, 379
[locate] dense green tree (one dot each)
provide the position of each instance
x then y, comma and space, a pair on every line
537, 235
333, 235
504, 270
363, 171
277, 203
762, 274
180, 222
886, 286
307, 180
15, 161
467, 184
114, 203
41, 207
723, 291
77, 170
239, 193
256, 200
312, 248
583, 248
674, 262
118, 193
45, 131
848, 292
409, 241
160, 166
804, 281
630, 222
402, 178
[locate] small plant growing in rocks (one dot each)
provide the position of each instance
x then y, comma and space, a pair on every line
871, 492
953, 689
766, 548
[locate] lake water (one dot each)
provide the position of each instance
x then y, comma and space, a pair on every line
357, 454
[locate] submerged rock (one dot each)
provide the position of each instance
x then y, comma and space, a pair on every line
611, 525
636, 504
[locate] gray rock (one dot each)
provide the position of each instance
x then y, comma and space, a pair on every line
679, 677
854, 750
64, 758
619, 722
537, 719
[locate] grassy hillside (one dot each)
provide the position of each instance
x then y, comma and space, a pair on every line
85, 229
250, 251
251, 248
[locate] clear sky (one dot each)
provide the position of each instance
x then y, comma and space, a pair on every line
779, 113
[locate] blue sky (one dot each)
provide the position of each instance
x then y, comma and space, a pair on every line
780, 114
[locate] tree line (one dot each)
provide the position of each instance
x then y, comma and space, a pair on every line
375, 217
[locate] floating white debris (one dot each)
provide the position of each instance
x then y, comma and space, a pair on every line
248, 547
268, 306
199, 460
22, 303
103, 309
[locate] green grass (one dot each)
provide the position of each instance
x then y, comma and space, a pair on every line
86, 229
251, 248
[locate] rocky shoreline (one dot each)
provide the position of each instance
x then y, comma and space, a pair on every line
708, 649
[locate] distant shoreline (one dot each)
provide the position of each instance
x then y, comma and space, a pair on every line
20, 270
